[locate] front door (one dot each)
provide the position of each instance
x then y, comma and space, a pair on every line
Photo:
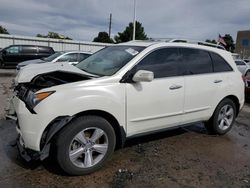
157, 104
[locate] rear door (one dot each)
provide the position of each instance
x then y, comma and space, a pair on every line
28, 53
157, 104
201, 84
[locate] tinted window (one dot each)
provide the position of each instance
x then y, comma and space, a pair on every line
46, 50
83, 56
240, 63
162, 62
69, 58
220, 65
28, 49
13, 50
196, 61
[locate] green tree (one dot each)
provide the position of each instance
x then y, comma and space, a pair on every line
211, 41
230, 43
53, 35
127, 34
103, 37
3, 30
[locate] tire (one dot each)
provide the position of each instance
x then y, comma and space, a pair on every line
223, 118
85, 138
1, 64
247, 72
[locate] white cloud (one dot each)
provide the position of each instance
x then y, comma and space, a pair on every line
195, 19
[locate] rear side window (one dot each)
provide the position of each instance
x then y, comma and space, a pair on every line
82, 56
162, 62
196, 61
220, 65
45, 50
68, 58
28, 49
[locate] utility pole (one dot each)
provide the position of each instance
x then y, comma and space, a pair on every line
134, 19
110, 22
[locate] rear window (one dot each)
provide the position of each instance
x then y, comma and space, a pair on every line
220, 65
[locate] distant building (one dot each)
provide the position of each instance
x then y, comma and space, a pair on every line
243, 44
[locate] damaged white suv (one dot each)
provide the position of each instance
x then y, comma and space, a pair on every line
81, 113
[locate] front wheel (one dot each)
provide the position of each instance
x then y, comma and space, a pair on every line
223, 118
85, 145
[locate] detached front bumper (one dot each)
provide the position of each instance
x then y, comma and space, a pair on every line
25, 153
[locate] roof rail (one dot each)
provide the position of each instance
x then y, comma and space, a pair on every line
188, 41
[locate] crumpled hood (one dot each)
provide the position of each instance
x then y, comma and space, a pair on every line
27, 73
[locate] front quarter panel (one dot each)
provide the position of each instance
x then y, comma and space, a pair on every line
69, 102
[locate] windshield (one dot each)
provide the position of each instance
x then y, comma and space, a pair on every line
52, 57
108, 61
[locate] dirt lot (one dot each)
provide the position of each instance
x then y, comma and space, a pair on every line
181, 158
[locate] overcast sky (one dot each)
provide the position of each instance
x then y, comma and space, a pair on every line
83, 19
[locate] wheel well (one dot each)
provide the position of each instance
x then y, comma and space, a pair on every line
236, 102
119, 130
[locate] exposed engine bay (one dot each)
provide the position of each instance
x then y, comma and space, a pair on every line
52, 79
26, 91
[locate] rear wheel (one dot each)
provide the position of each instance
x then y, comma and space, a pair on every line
223, 118
85, 145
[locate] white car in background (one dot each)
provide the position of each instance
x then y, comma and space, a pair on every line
72, 57
242, 66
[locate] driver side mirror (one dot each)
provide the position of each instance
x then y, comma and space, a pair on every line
143, 76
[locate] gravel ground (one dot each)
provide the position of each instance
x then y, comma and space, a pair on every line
179, 158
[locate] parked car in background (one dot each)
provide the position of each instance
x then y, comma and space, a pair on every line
82, 113
247, 84
72, 57
235, 56
14, 54
242, 66
247, 61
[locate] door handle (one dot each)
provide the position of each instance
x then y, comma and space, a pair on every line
217, 81
175, 87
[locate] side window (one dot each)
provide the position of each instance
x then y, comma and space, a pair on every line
28, 49
82, 56
68, 58
13, 50
196, 61
220, 65
45, 50
162, 62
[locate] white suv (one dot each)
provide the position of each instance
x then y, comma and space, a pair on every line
81, 114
